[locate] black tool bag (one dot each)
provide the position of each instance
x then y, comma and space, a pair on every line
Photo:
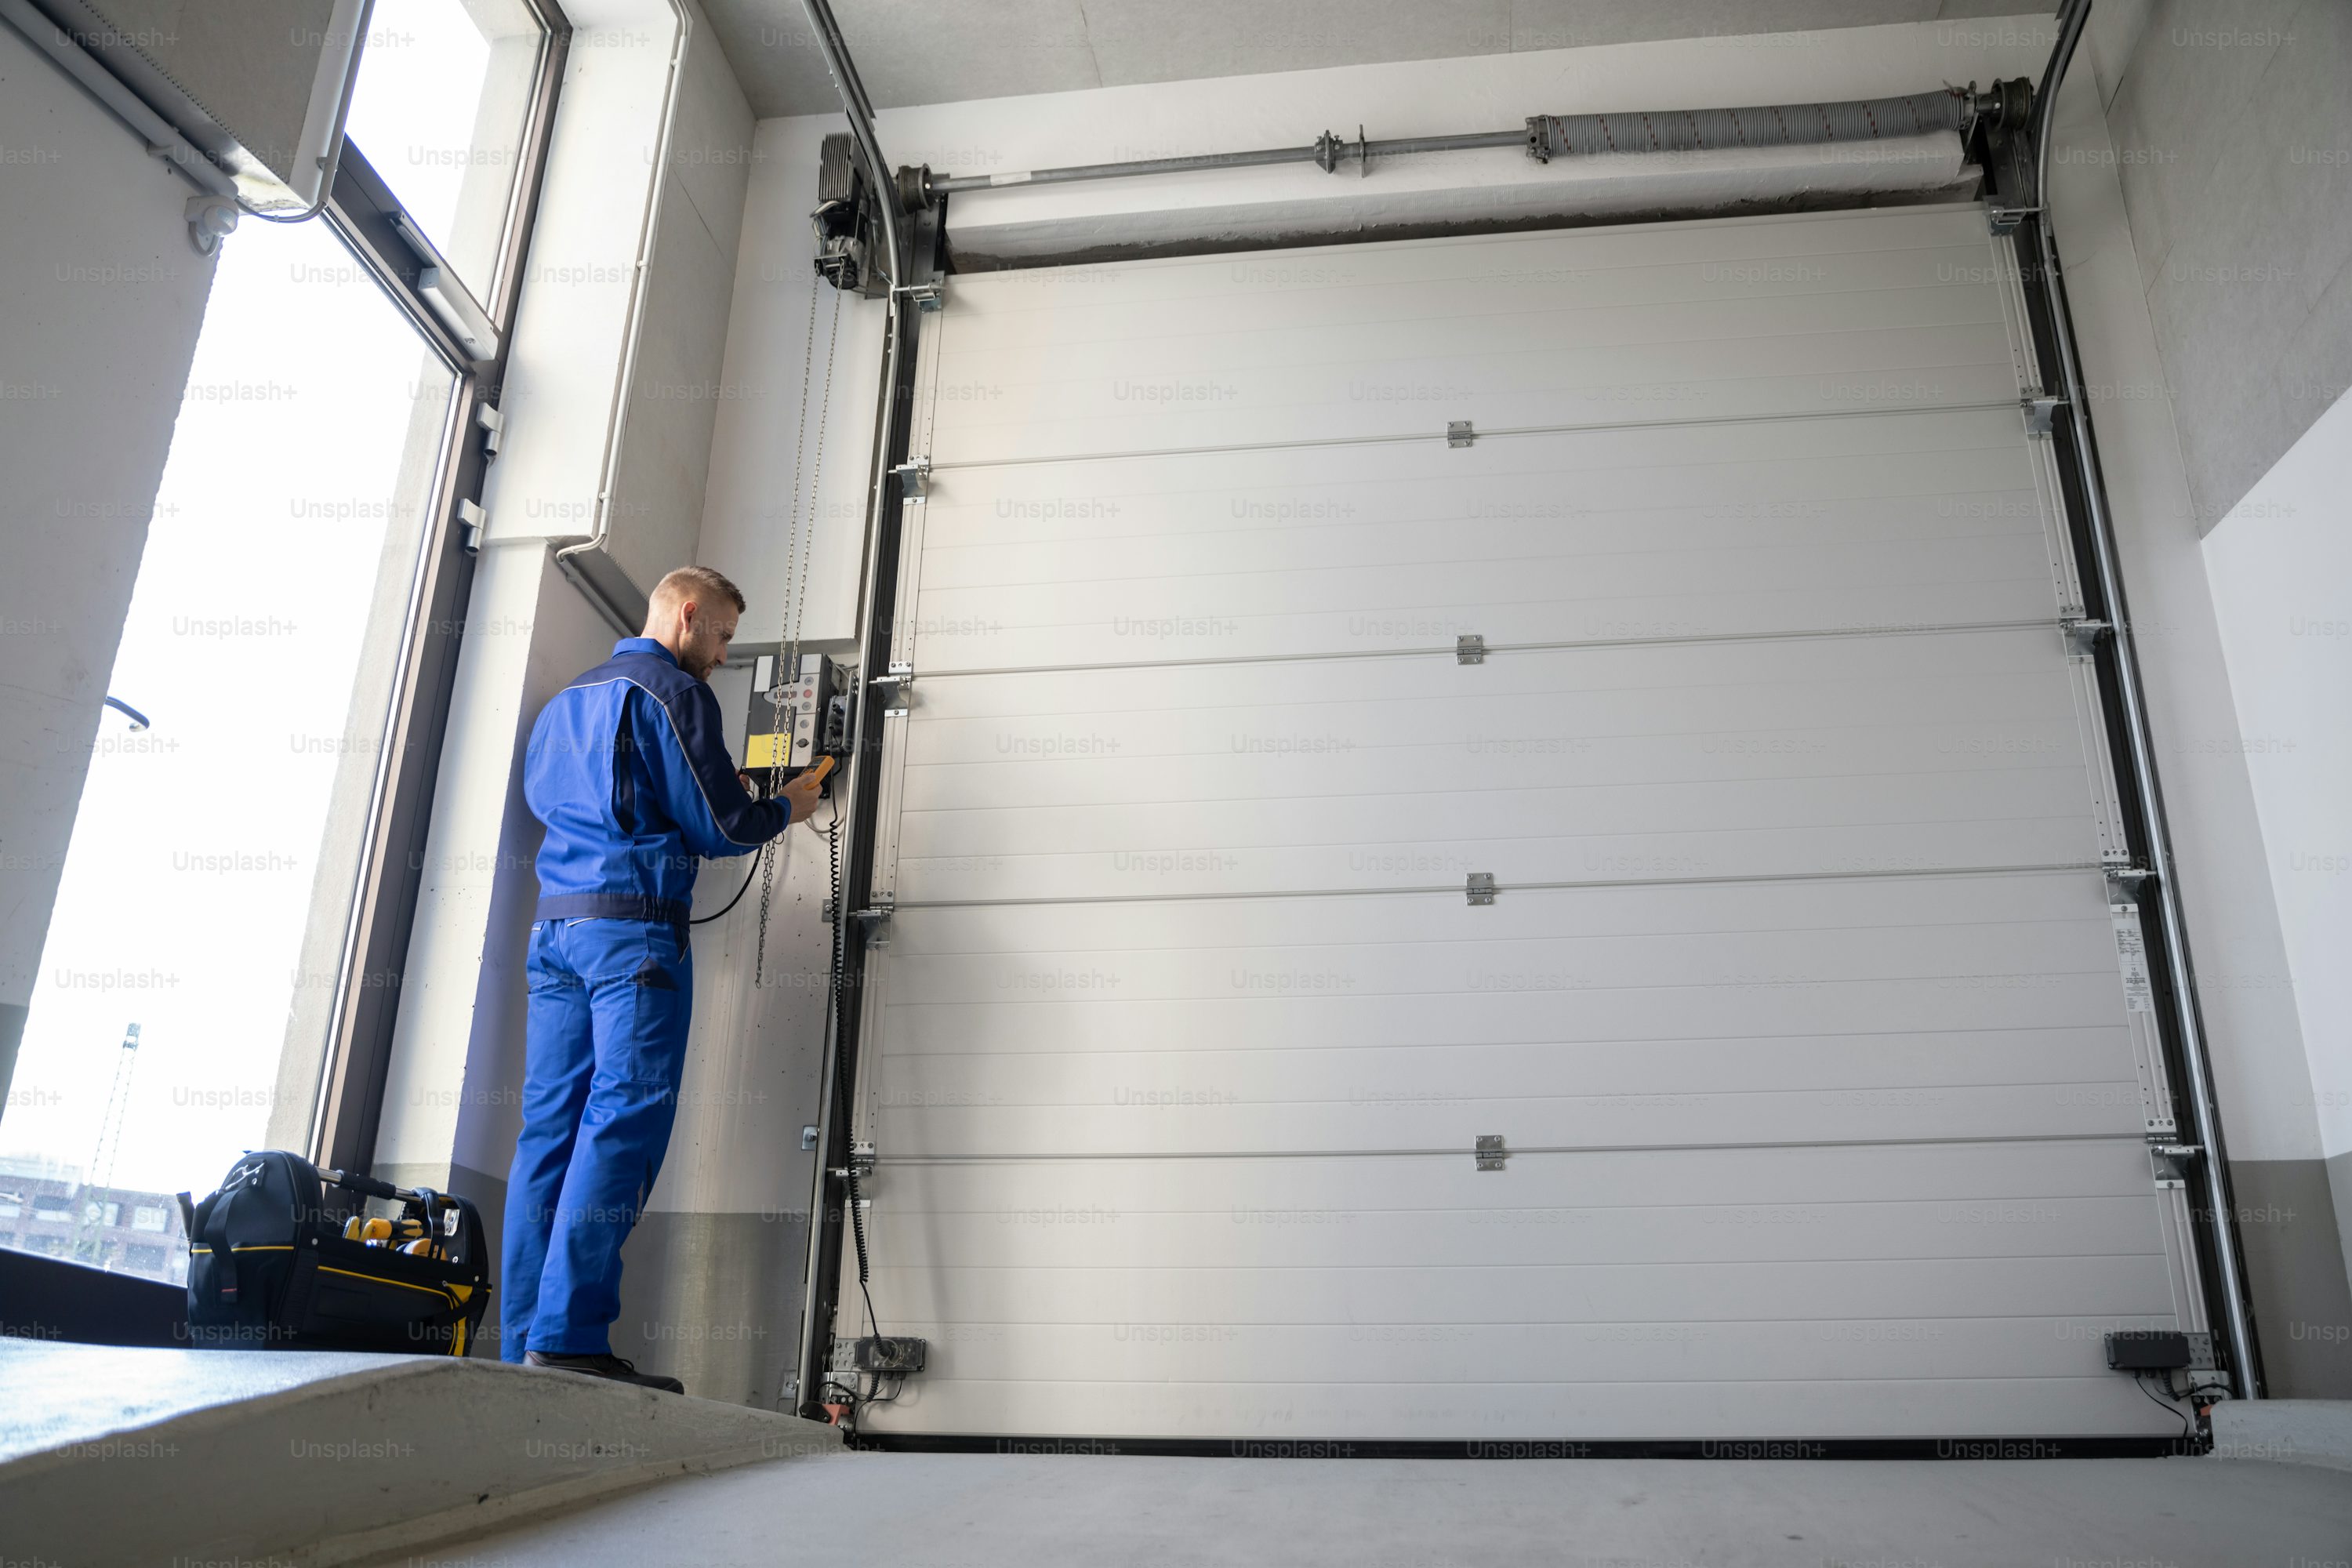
269, 1265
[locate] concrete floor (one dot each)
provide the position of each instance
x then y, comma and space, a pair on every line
1088, 1511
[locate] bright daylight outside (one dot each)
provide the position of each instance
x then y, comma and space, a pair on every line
186, 984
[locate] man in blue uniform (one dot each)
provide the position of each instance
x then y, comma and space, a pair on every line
628, 767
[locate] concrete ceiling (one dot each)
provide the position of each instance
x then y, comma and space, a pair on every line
946, 52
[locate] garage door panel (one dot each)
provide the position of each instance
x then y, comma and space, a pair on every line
1463, 267
1769, 378
1697, 1011
1961, 907
1666, 688
1575, 1355
1192, 1113
1083, 1196
1280, 812
1799, 1007
1402, 361
1557, 484
1866, 537
1160, 861
1534, 972
1325, 610
1511, 275
1509, 1419
1076, 1231
1783, 1290
1060, 1070
1582, 1354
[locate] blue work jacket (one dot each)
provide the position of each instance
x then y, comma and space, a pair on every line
628, 767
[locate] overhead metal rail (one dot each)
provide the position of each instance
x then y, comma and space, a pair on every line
2158, 884
1549, 136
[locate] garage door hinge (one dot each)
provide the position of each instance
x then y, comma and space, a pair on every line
1458, 433
876, 920
914, 478
2168, 1163
494, 426
897, 687
2004, 220
2039, 410
1491, 1152
1481, 887
2083, 635
473, 522
1470, 648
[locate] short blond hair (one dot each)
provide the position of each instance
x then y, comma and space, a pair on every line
697, 583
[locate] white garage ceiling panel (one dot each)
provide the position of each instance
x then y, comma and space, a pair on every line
1798, 1007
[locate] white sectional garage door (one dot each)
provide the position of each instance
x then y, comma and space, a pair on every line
1798, 1007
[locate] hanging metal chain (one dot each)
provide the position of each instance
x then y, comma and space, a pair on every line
800, 548
817, 476
768, 852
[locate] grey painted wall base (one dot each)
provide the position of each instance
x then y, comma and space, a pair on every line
2295, 1271
2291, 1431
714, 1299
326, 1458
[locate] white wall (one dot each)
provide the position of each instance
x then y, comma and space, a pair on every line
101, 295
2281, 571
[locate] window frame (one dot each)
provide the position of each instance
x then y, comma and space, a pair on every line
362, 209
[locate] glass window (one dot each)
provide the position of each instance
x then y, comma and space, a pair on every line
443, 98
209, 881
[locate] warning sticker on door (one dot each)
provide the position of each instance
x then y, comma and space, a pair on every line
2131, 948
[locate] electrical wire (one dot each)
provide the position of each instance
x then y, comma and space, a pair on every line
2186, 1422
754, 871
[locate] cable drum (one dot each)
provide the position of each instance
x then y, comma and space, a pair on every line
1771, 125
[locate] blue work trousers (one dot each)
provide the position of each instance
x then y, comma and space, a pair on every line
605, 1046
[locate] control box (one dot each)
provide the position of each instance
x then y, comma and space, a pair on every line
796, 718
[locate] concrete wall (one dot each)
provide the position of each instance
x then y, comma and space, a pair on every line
2230, 142
2233, 141
101, 295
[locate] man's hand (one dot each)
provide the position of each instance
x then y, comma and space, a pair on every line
800, 795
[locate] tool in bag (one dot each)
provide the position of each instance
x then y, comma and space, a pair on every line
269, 1265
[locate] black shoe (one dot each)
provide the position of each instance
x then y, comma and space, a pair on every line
605, 1366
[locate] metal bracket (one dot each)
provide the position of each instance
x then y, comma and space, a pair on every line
914, 478
808, 1137
929, 296
1491, 1152
2004, 220
861, 1158
2083, 637
2041, 410
1470, 648
1458, 433
493, 425
876, 920
473, 525
1480, 887
897, 687
2168, 1163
